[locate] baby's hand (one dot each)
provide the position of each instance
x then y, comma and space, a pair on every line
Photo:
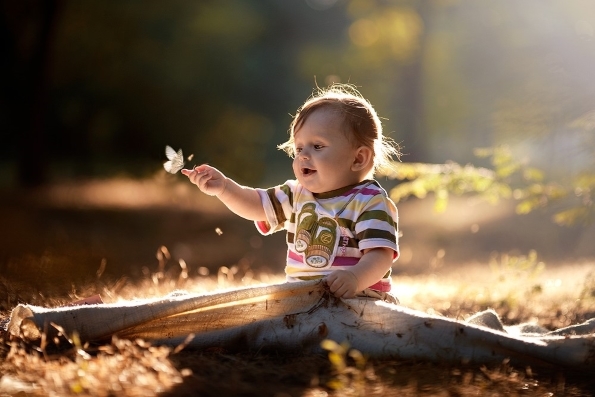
208, 179
342, 283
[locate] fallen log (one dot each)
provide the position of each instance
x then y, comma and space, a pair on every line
299, 316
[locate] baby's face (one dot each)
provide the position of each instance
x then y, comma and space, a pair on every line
323, 155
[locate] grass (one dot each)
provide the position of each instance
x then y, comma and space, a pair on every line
132, 368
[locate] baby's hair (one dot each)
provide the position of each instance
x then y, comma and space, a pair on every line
360, 118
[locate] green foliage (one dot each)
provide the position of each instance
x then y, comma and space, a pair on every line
520, 270
509, 178
584, 211
350, 380
588, 290
449, 178
516, 266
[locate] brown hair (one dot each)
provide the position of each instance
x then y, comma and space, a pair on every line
360, 118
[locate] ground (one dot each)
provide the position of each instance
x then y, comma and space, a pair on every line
126, 239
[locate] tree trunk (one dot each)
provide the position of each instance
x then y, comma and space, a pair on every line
28, 87
411, 94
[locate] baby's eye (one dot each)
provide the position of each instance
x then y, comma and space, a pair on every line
318, 147
297, 150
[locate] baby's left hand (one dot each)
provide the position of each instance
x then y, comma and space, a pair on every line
342, 283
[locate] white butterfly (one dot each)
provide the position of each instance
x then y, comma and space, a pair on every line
176, 160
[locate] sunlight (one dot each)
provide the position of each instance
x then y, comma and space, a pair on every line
125, 193
462, 213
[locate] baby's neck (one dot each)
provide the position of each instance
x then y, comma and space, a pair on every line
342, 190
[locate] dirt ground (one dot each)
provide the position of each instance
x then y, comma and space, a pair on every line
55, 240
54, 237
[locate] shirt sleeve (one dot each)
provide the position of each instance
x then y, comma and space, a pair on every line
377, 225
278, 205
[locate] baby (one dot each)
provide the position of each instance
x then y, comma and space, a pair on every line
340, 223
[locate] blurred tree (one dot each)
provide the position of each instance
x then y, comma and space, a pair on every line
382, 51
28, 37
124, 78
519, 85
509, 73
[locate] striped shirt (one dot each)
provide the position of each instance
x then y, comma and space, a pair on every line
330, 231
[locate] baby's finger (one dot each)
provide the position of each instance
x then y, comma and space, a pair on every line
202, 178
342, 292
338, 292
330, 279
195, 178
335, 285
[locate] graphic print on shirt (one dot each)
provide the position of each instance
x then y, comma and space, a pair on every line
316, 238
306, 221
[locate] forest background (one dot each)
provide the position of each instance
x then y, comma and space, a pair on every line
92, 92
492, 102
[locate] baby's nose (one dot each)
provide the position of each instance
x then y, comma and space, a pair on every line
304, 154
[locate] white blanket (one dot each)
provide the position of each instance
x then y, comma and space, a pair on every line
298, 316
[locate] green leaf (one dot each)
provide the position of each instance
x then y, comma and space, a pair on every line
526, 206
329, 344
337, 360
572, 216
441, 201
533, 174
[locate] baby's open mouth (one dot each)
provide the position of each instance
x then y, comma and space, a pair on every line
308, 171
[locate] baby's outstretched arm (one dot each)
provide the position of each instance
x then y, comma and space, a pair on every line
372, 266
242, 200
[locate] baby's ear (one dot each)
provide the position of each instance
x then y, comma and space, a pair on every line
363, 159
